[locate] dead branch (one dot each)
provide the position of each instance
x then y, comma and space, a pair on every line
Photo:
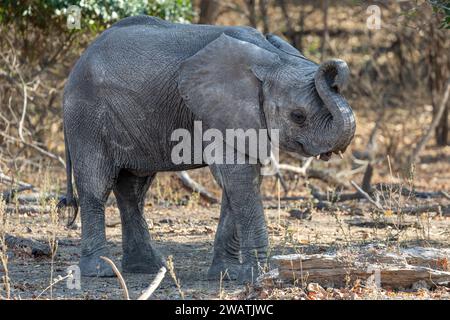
8, 195
6, 179
383, 223
24, 108
154, 285
33, 247
37, 148
122, 283
423, 141
367, 178
36, 198
193, 186
292, 198
311, 173
24, 209
334, 197
443, 209
367, 196
404, 191
147, 292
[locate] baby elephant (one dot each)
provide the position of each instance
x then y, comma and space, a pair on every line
144, 78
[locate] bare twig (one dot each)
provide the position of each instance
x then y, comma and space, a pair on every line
192, 185
154, 285
311, 173
24, 109
6, 179
37, 148
122, 283
367, 196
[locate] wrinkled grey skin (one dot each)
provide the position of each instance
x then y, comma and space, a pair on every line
142, 79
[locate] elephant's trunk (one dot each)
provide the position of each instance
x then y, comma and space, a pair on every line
331, 77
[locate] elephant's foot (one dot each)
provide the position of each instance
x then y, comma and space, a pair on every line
249, 273
224, 271
94, 266
142, 262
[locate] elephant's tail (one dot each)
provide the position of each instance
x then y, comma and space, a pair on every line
69, 200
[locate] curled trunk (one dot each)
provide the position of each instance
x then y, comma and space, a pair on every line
330, 79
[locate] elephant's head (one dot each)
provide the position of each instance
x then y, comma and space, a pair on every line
234, 84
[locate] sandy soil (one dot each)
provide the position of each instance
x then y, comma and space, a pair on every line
187, 234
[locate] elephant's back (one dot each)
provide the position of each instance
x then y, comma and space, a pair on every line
124, 86
142, 50
139, 57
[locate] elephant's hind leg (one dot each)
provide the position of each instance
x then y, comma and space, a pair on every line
138, 253
94, 184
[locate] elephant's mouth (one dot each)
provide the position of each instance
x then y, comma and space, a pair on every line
325, 156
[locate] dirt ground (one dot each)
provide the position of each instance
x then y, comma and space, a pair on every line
183, 226
187, 234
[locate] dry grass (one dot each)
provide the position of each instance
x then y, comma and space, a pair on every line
183, 225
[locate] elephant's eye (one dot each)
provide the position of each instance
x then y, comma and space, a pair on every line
298, 117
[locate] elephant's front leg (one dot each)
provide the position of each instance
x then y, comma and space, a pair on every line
244, 213
226, 262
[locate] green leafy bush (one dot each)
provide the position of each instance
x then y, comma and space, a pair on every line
95, 14
443, 7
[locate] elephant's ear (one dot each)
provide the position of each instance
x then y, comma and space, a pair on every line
283, 45
220, 83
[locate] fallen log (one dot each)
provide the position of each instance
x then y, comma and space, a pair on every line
438, 208
6, 179
24, 209
381, 224
404, 191
396, 270
36, 198
30, 246
394, 277
381, 188
8, 195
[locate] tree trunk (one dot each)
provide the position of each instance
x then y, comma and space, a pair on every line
264, 15
440, 68
251, 8
326, 35
209, 10
441, 131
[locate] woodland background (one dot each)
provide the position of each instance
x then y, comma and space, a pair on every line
399, 91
